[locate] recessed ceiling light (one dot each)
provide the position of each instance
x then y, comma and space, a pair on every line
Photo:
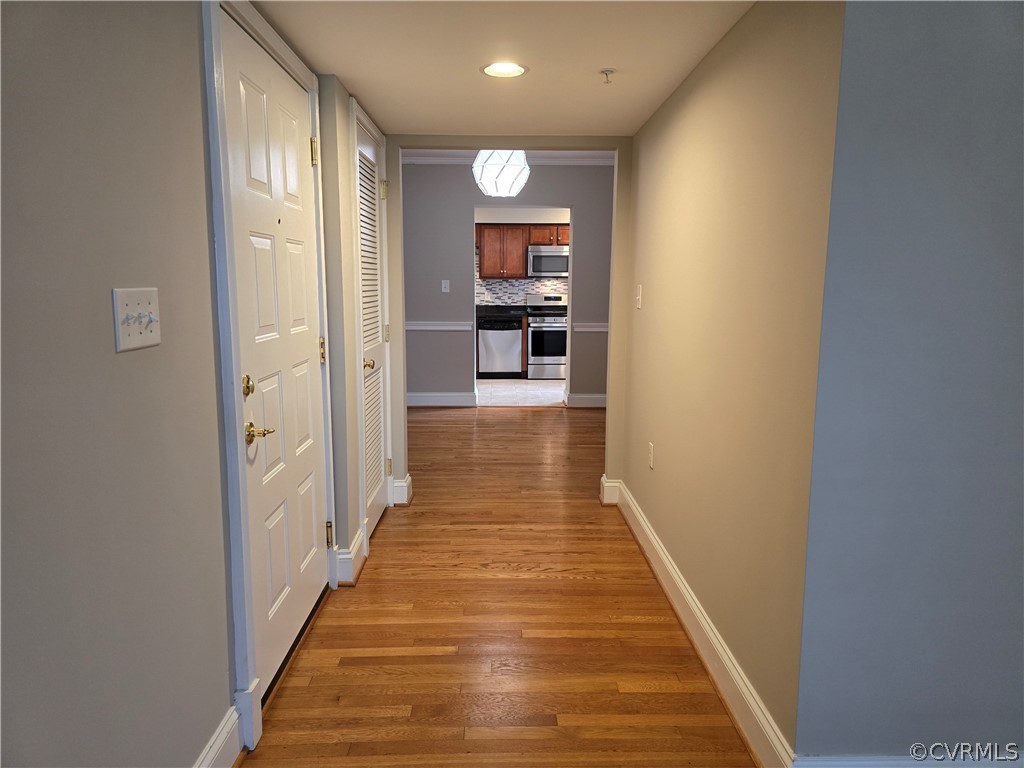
504, 69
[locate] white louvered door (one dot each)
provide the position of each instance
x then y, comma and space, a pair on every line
277, 306
373, 307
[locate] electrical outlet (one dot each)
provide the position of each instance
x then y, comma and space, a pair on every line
136, 318
639, 294
445, 286
650, 455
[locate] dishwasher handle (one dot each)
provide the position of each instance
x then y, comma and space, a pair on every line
503, 324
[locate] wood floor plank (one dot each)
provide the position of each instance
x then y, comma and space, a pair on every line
471, 705
582, 732
339, 711
532, 760
520, 760
318, 732
506, 618
619, 721
569, 748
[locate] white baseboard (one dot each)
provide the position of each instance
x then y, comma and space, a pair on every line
752, 717
225, 745
610, 490
440, 399
402, 493
250, 713
350, 561
586, 401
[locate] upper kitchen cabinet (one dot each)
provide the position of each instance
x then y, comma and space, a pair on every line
502, 250
549, 234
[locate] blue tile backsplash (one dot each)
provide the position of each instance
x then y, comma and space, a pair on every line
514, 291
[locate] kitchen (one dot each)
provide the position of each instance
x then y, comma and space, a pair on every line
522, 285
445, 294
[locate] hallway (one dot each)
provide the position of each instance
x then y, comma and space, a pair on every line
505, 618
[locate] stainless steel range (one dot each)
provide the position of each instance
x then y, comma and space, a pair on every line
548, 335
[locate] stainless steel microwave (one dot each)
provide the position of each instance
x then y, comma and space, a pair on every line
547, 261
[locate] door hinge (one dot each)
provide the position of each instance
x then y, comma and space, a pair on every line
323, 350
383, 189
387, 467
387, 332
330, 534
314, 151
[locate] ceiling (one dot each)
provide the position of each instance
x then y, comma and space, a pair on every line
415, 66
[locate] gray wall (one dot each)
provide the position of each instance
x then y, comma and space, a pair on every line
731, 184
438, 203
437, 361
115, 611
912, 616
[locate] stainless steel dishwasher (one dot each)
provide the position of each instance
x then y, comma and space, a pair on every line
501, 346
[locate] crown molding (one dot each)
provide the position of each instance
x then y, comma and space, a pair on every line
533, 157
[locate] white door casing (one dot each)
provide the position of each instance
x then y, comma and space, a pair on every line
270, 315
372, 303
278, 320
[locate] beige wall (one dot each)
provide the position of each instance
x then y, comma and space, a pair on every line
731, 183
115, 608
396, 308
337, 173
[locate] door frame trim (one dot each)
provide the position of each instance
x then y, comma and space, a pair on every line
246, 684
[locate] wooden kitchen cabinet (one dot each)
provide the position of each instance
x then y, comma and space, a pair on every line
542, 234
549, 234
502, 250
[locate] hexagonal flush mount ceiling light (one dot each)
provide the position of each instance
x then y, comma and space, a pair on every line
501, 172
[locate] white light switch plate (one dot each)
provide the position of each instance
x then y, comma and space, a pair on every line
136, 318
445, 286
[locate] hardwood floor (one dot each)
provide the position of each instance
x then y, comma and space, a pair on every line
506, 618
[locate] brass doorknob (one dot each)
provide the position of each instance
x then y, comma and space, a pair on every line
251, 432
371, 364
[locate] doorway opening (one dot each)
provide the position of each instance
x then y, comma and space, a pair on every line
567, 205
521, 305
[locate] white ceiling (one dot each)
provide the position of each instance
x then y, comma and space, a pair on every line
415, 66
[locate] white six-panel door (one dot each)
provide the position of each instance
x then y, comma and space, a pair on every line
372, 293
278, 310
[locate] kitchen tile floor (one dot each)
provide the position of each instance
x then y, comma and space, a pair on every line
520, 392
